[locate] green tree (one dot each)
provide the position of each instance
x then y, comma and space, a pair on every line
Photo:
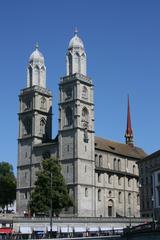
7, 184
49, 186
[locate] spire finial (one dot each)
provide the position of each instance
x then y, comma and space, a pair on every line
129, 132
75, 31
37, 45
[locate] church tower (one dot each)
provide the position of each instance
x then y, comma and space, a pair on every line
76, 130
35, 120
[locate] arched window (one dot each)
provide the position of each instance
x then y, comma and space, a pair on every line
85, 117
42, 126
99, 177
70, 63
110, 193
83, 64
69, 118
27, 126
42, 77
84, 92
119, 180
110, 208
119, 164
129, 198
129, 182
30, 76
119, 197
86, 192
43, 103
99, 194
27, 103
77, 62
36, 75
109, 178
114, 163
134, 168
100, 161
86, 135
138, 200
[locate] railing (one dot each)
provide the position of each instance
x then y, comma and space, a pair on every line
80, 219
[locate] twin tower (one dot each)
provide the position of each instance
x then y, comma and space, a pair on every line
74, 144
88, 163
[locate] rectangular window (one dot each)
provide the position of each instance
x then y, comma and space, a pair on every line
109, 211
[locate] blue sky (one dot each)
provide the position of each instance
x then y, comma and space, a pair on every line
122, 42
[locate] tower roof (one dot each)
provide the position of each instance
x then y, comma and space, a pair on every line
36, 56
76, 41
129, 131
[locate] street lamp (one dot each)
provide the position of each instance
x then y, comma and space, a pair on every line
129, 211
51, 208
153, 217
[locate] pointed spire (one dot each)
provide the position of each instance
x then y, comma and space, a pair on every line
37, 45
129, 132
76, 32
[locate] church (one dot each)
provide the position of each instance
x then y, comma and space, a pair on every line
101, 175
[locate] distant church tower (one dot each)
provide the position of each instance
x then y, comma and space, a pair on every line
35, 120
76, 130
129, 131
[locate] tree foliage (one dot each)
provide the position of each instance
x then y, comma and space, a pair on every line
7, 184
50, 185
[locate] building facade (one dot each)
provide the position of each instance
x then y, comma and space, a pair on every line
156, 193
102, 176
149, 170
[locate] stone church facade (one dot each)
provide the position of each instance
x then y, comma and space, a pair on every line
102, 176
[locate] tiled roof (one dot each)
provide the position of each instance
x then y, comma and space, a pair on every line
152, 155
119, 148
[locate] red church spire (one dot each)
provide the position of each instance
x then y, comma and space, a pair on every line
129, 132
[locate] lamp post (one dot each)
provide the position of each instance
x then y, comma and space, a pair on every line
51, 208
153, 217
